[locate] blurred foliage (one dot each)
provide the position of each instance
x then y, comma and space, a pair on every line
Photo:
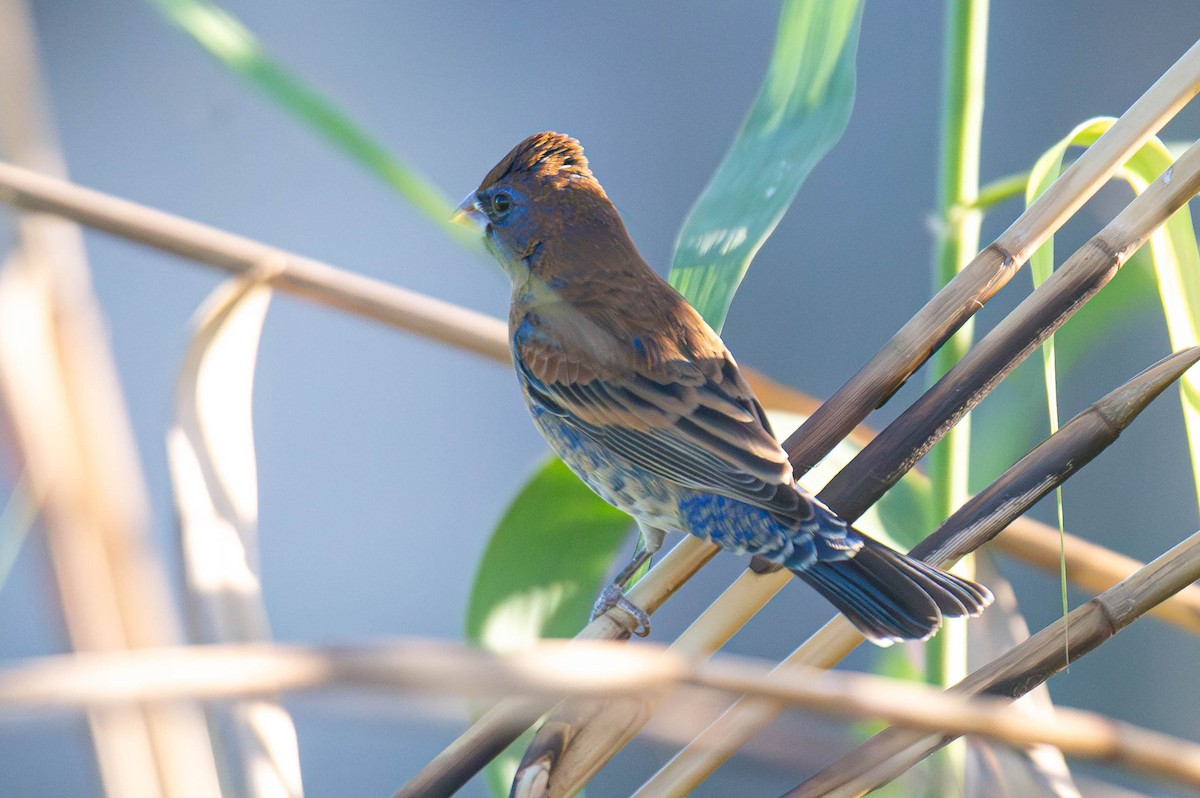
238, 50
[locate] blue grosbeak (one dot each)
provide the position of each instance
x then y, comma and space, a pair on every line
641, 399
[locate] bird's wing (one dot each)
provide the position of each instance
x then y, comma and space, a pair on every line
683, 412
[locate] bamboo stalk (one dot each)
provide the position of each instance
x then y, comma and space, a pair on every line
980, 519
992, 268
1018, 670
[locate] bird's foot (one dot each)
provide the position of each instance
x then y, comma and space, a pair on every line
613, 596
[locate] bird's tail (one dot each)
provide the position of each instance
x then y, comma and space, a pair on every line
890, 596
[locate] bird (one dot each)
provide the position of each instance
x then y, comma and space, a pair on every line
642, 400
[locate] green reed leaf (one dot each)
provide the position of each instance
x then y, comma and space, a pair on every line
799, 113
237, 49
1173, 254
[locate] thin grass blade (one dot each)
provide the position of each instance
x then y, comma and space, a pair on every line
238, 50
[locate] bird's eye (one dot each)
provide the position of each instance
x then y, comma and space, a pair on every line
501, 203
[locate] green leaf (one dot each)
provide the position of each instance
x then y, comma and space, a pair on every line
800, 111
1173, 253
236, 48
541, 573
545, 563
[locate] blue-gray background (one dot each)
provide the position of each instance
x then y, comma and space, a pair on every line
384, 460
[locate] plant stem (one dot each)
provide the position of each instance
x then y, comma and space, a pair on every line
998, 191
962, 117
965, 59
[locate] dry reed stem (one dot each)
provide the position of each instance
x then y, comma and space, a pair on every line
897, 449
565, 668
916, 341
1020, 669
311, 279
68, 419
1094, 566
977, 521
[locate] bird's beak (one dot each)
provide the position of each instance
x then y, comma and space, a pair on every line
469, 212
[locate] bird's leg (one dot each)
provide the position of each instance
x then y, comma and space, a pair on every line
614, 594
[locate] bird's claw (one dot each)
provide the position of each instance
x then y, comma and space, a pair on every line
613, 596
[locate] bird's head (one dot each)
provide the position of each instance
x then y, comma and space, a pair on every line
541, 196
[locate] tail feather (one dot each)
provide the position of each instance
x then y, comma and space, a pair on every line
890, 596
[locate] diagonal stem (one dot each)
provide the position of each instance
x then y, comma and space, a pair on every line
992, 268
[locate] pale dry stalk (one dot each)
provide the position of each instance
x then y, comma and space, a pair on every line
59, 387
562, 668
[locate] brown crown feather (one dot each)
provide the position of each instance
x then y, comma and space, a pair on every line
546, 155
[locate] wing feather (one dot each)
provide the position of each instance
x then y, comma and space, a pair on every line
706, 432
